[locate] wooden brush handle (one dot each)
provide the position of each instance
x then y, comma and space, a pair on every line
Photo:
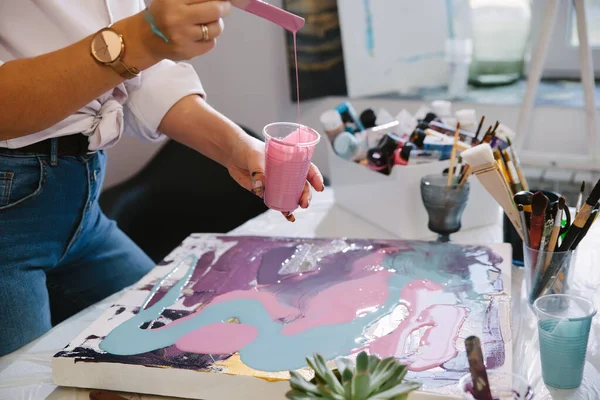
536, 231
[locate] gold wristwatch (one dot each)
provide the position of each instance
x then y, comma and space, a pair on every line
107, 48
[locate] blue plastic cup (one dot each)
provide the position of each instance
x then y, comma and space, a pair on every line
564, 324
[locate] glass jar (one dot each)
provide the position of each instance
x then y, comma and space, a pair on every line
500, 36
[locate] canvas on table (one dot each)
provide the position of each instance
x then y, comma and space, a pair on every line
226, 317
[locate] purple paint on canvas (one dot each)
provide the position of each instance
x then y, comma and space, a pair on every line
259, 261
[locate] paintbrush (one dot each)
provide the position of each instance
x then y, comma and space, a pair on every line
517, 163
553, 244
481, 386
523, 224
537, 258
465, 175
474, 141
488, 137
487, 133
556, 267
581, 218
525, 198
483, 165
453, 156
539, 203
514, 176
580, 198
586, 228
498, 158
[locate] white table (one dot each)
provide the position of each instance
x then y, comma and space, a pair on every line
26, 374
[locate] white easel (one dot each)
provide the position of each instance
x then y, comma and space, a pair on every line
591, 162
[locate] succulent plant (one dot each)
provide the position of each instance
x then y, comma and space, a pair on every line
372, 379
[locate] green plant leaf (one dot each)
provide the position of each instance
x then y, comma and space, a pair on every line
344, 364
298, 395
361, 386
299, 383
396, 377
328, 375
348, 389
373, 363
347, 376
362, 362
318, 379
398, 390
327, 393
384, 373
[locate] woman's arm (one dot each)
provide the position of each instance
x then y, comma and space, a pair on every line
39, 92
194, 123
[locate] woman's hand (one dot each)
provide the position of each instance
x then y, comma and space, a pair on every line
247, 167
196, 124
181, 22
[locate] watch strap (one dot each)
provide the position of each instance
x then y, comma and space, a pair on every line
124, 71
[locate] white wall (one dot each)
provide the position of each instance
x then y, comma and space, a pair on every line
246, 78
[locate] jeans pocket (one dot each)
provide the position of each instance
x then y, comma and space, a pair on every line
21, 180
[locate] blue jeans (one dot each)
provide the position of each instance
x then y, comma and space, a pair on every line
58, 252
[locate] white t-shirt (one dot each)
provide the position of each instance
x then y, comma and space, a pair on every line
29, 28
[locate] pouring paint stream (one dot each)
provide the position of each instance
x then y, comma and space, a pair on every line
285, 19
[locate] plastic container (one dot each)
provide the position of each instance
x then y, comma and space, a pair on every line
393, 202
547, 272
564, 324
289, 149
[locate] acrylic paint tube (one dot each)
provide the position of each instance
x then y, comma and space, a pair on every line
332, 123
402, 154
350, 147
463, 135
368, 118
418, 157
443, 146
379, 161
350, 117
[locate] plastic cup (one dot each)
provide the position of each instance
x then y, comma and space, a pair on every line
546, 272
564, 323
503, 386
288, 153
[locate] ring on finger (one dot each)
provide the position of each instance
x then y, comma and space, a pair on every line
205, 35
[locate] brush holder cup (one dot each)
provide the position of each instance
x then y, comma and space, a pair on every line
444, 204
547, 272
511, 236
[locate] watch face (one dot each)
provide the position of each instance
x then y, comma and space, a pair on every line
107, 46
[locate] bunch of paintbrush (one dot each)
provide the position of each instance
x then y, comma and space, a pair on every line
458, 173
541, 222
507, 159
488, 170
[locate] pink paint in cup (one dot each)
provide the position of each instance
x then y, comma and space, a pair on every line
288, 152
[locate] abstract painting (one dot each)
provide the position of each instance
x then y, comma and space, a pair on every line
229, 316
